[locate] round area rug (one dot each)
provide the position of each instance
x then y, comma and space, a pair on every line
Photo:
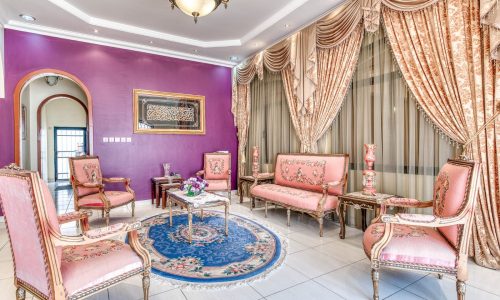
249, 252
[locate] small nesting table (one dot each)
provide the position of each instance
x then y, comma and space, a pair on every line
261, 178
202, 201
360, 201
156, 183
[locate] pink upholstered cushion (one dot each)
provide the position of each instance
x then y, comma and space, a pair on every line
25, 239
309, 172
217, 185
416, 245
87, 171
84, 267
450, 196
116, 198
217, 166
51, 213
293, 197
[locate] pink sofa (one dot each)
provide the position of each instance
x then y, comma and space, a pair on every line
308, 183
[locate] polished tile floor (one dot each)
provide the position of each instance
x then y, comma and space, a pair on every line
315, 268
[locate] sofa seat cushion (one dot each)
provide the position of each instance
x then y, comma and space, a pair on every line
293, 197
217, 185
85, 267
116, 198
414, 245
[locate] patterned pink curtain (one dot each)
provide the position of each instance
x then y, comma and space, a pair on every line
444, 56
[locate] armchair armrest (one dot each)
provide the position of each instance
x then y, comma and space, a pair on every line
74, 216
90, 185
421, 220
200, 173
116, 180
407, 202
96, 235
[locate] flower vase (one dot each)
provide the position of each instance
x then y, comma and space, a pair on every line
191, 193
255, 162
369, 174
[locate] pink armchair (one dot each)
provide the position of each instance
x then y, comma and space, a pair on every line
217, 172
50, 265
88, 187
435, 243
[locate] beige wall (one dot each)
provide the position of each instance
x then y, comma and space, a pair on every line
37, 91
60, 112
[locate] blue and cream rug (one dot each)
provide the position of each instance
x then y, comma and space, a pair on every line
213, 259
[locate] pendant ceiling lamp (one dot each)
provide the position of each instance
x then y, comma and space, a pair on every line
197, 8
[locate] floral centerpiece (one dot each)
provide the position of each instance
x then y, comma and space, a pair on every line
194, 186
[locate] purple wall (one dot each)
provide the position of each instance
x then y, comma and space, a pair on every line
111, 74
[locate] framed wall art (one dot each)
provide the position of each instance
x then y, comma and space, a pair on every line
168, 113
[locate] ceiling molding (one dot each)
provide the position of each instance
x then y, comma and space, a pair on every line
76, 36
94, 21
278, 16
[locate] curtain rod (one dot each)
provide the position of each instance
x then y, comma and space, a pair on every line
298, 30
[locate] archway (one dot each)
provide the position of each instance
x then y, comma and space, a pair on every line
17, 105
39, 123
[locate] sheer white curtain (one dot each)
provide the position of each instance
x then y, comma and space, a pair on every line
379, 109
270, 125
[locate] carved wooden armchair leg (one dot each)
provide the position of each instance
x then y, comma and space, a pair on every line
266, 205
440, 276
460, 290
375, 279
20, 293
320, 221
145, 284
288, 213
252, 204
133, 208
106, 215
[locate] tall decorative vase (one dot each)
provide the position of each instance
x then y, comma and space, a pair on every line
166, 169
369, 174
255, 161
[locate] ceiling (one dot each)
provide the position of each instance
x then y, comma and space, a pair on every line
225, 37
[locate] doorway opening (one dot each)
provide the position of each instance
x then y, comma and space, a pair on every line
68, 142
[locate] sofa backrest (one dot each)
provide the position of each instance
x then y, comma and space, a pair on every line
312, 171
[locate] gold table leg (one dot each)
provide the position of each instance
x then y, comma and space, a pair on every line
190, 224
170, 209
226, 213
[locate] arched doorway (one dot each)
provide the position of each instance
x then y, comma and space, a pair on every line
47, 133
24, 82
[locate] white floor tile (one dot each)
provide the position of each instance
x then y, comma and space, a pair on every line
309, 290
244, 292
170, 295
404, 295
353, 283
313, 263
7, 288
342, 251
430, 287
279, 280
6, 269
132, 289
484, 278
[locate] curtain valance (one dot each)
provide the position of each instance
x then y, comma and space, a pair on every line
490, 16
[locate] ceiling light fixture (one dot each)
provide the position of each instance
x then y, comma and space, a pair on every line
197, 8
27, 18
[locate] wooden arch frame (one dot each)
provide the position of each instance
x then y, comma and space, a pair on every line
39, 123
17, 106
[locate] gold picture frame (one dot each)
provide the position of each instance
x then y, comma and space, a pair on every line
168, 113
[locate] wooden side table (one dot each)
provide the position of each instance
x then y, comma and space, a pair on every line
155, 187
164, 187
262, 178
360, 201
